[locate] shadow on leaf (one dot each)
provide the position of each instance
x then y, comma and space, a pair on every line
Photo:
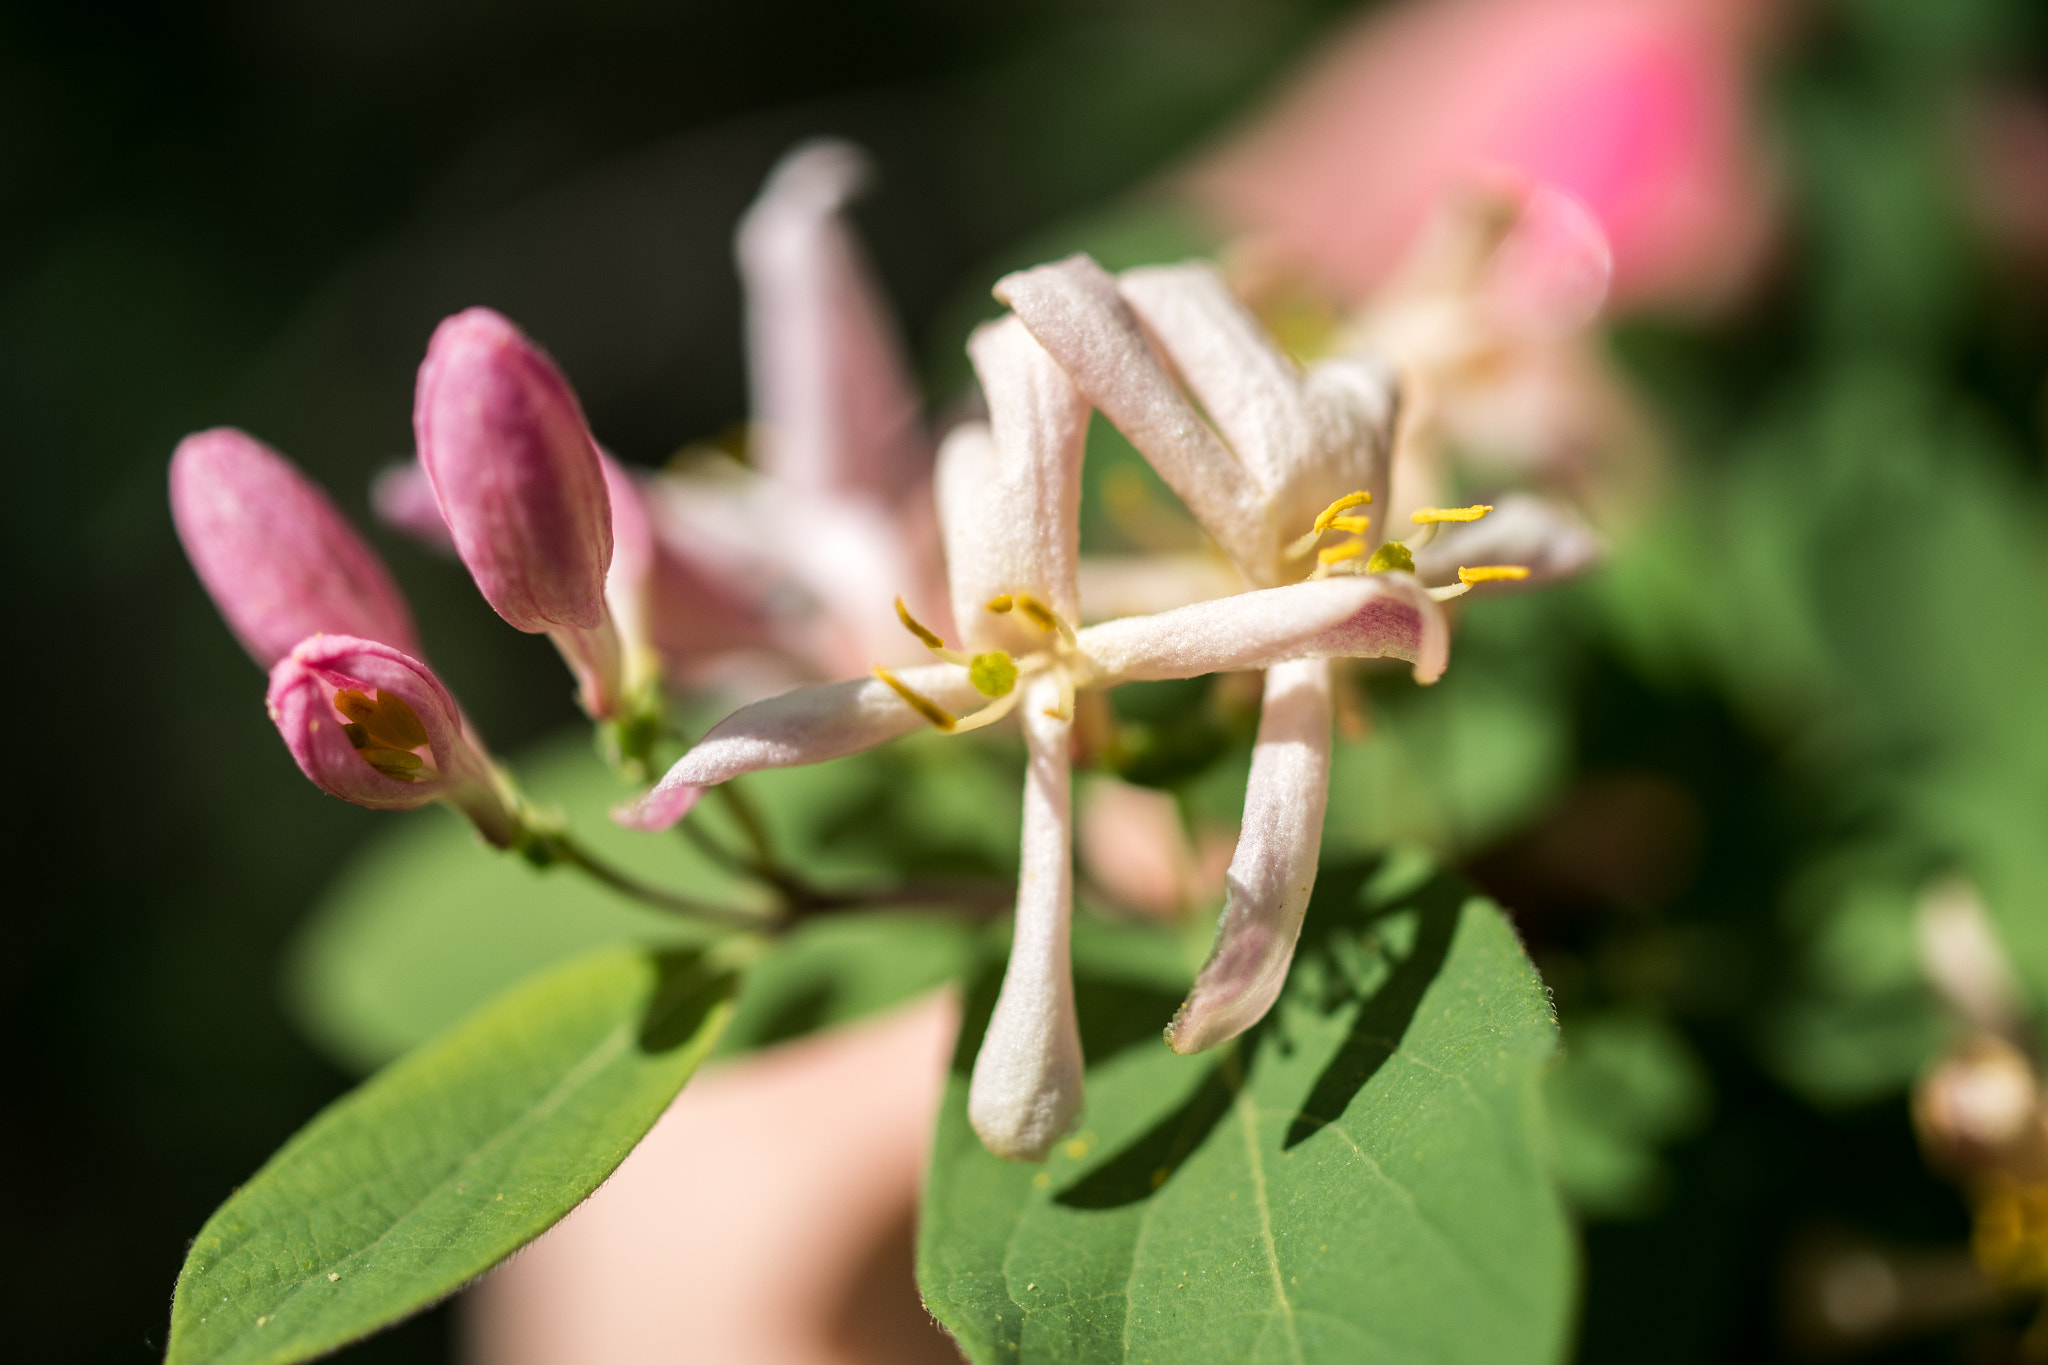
686, 989
1146, 1165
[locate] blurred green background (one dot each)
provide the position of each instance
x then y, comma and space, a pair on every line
1709, 783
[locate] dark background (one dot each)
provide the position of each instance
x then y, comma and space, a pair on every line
253, 214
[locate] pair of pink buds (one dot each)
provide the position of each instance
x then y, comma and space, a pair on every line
530, 503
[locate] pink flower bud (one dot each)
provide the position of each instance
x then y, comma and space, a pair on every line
375, 727
516, 473
276, 556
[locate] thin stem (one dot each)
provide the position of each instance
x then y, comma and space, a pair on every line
563, 848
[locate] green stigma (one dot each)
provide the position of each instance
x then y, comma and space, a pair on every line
993, 674
1392, 555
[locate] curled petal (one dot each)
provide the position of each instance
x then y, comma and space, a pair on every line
1274, 868
403, 498
1360, 617
1026, 1089
1545, 537
1010, 493
1074, 309
807, 725
833, 398
277, 558
381, 770
515, 472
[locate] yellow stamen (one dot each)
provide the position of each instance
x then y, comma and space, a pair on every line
917, 628
1392, 555
938, 715
1044, 617
1357, 526
993, 674
393, 763
386, 720
1000, 603
1344, 504
1491, 573
1337, 554
1423, 516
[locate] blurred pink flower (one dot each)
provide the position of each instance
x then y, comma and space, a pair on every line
1135, 849
1633, 107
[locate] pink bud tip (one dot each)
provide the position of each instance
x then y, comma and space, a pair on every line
515, 472
660, 808
277, 557
376, 728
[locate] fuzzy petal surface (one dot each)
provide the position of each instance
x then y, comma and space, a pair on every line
276, 556
1274, 868
806, 725
1026, 1089
1074, 309
515, 472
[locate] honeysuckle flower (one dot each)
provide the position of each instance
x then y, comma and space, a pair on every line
1291, 457
373, 725
278, 559
1008, 495
1635, 108
522, 489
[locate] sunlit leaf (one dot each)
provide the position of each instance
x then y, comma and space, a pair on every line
449, 1160
1359, 1178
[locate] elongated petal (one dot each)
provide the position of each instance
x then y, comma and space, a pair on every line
807, 725
1249, 389
516, 473
1274, 868
305, 687
403, 498
629, 582
833, 398
1010, 493
1545, 537
1026, 1089
1073, 308
276, 556
1380, 615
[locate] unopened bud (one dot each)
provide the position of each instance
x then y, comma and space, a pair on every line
277, 557
376, 728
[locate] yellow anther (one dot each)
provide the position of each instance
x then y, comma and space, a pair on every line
1423, 516
385, 722
993, 674
938, 715
1357, 526
1392, 555
393, 763
1328, 516
1000, 603
1491, 573
1337, 554
1044, 617
917, 627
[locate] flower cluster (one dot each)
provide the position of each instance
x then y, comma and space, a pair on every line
972, 565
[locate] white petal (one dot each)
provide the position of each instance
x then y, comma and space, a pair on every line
1248, 388
808, 725
1365, 616
1274, 868
1546, 537
1073, 308
1134, 585
1026, 1090
1010, 493
833, 399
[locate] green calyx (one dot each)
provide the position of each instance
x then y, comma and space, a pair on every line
993, 674
1392, 555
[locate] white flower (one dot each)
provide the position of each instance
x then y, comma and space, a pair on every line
1284, 458
1009, 496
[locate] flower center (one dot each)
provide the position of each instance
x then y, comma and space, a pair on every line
994, 673
1393, 555
384, 731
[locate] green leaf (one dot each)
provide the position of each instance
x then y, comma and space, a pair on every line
1361, 1177
427, 924
448, 1161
